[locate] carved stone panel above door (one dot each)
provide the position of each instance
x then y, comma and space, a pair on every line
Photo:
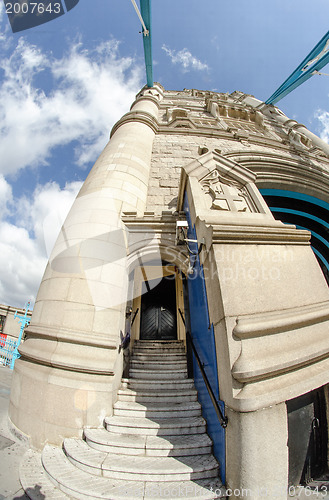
223, 187
225, 195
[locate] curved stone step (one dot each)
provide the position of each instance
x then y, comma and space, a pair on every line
83, 486
148, 396
157, 374
159, 343
157, 365
129, 444
157, 351
35, 481
158, 385
155, 426
157, 410
143, 468
175, 356
156, 348
204, 489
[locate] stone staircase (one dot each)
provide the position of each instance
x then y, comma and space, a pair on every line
154, 446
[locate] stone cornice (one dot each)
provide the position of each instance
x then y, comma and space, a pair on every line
146, 98
252, 139
285, 235
136, 116
140, 224
273, 322
62, 335
283, 353
272, 366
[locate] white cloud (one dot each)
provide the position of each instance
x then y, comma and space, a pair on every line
23, 252
185, 59
6, 197
91, 90
323, 117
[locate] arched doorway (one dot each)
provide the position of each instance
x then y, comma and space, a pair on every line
157, 297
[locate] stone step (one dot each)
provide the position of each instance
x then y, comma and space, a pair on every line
157, 365
157, 410
35, 481
143, 468
140, 373
158, 385
129, 444
156, 426
176, 356
155, 351
146, 347
79, 484
149, 396
159, 343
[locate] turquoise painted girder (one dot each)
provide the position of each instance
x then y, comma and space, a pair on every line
316, 60
298, 212
310, 199
297, 196
145, 6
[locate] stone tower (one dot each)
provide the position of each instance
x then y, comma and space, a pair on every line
180, 190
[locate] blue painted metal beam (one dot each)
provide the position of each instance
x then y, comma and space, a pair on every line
294, 194
145, 6
316, 60
280, 193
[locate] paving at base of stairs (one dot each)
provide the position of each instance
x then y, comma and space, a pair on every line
12, 448
145, 450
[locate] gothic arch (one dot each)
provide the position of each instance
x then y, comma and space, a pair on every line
275, 171
297, 192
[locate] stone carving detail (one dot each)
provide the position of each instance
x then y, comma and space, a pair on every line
152, 92
173, 113
225, 194
298, 139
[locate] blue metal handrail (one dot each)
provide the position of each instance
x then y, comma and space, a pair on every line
222, 418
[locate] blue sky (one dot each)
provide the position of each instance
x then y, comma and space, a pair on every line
65, 83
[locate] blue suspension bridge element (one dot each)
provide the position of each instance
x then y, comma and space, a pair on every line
24, 321
147, 40
305, 212
145, 19
310, 66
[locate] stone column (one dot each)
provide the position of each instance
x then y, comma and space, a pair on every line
257, 454
71, 365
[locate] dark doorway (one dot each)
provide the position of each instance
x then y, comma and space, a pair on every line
158, 310
307, 437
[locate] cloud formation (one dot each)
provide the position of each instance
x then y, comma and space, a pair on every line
185, 59
91, 89
323, 117
25, 244
87, 91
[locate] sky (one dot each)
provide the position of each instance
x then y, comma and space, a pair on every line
64, 84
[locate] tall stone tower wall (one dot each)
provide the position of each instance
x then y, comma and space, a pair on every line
202, 157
